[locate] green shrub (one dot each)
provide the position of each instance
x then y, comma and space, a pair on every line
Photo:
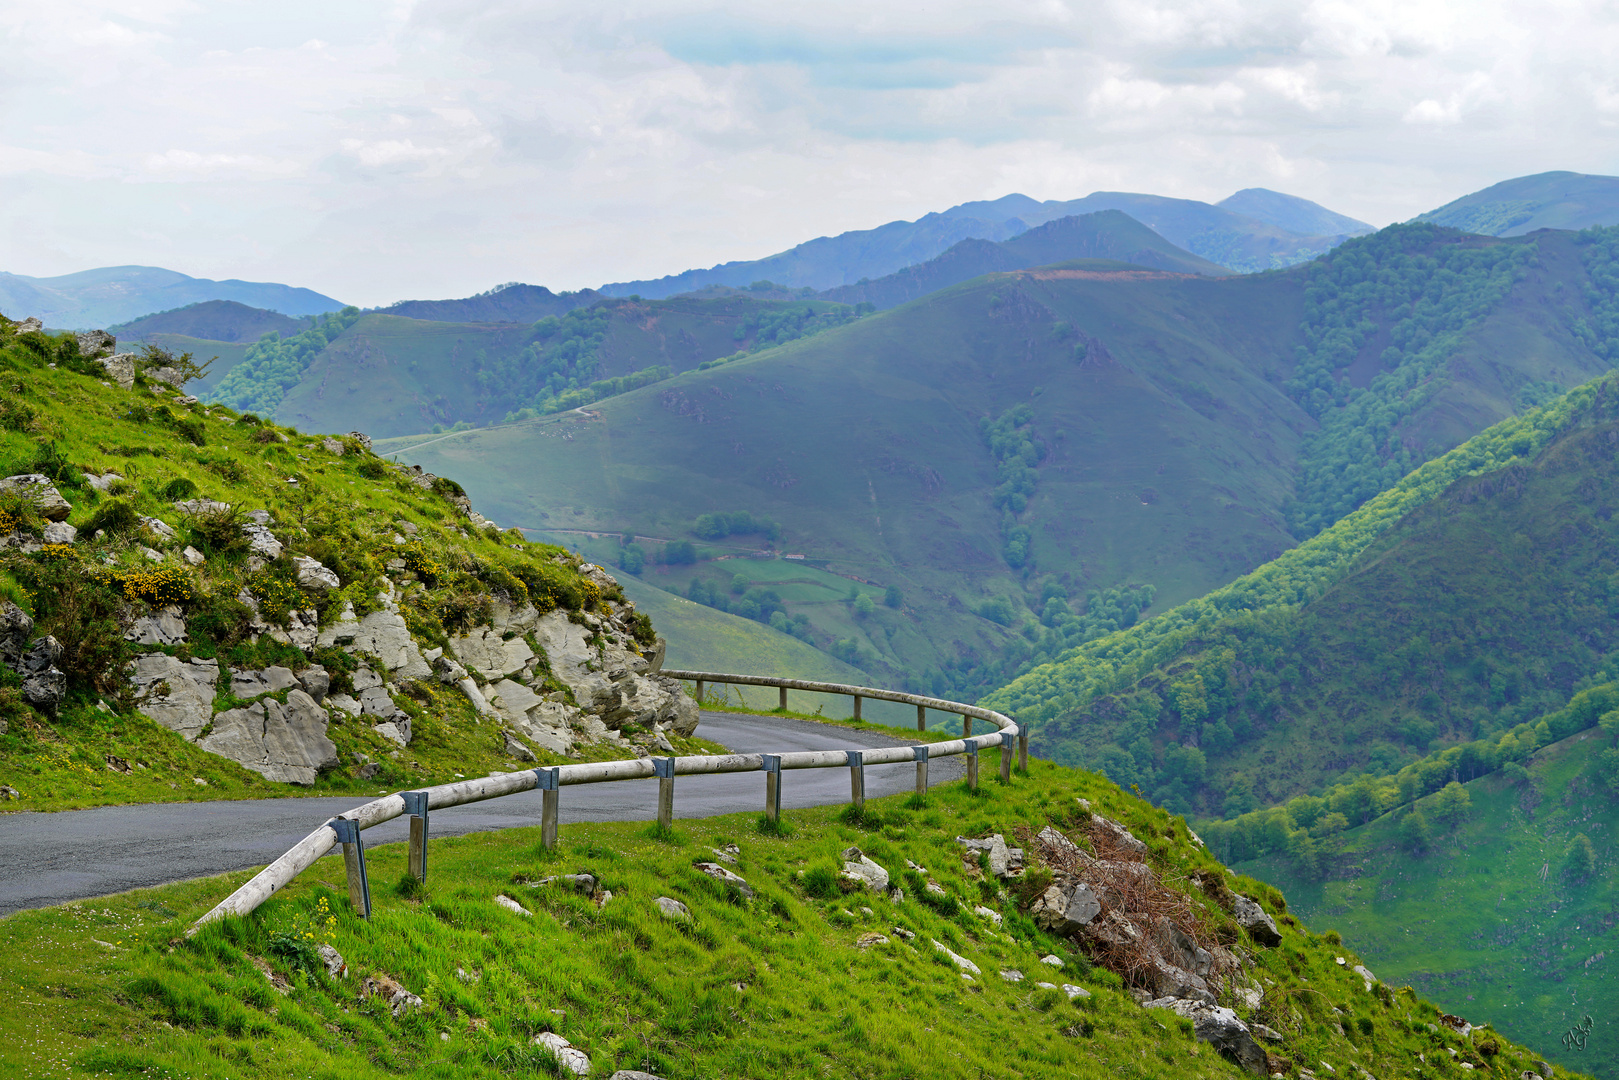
820, 882
116, 517
219, 532
177, 489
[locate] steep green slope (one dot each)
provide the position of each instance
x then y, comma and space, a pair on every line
1105, 235
185, 558
1490, 908
508, 303
803, 974
1550, 200
1469, 598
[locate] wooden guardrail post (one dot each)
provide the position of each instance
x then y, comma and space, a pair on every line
416, 807
348, 834
857, 779
857, 706
972, 766
1023, 748
783, 705
1006, 756
771, 764
699, 691
665, 770
921, 718
921, 769
966, 726
546, 781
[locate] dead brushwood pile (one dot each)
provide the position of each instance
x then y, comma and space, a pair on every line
1107, 896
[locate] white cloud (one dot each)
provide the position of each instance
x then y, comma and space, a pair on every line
475, 141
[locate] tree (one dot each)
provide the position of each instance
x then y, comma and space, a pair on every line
1610, 725
679, 552
631, 558
1582, 858
863, 606
1414, 834
892, 597
183, 367
1453, 804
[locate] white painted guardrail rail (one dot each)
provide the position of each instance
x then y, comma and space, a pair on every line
347, 827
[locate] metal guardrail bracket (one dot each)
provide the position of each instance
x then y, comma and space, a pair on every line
664, 769
972, 766
348, 834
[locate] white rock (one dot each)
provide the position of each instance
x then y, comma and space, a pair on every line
1075, 991
474, 695
193, 556
382, 634
395, 731
670, 908
199, 507
164, 627
43, 493
1053, 960
988, 913
158, 528
102, 482
284, 743
177, 694
485, 652
120, 368
1370, 979
513, 906
261, 541
60, 532
955, 958
312, 574
1012, 976
858, 866
570, 1058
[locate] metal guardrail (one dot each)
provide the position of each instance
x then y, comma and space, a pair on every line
549, 780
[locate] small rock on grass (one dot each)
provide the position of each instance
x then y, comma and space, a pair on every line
670, 908
513, 906
568, 1056
1012, 976
866, 941
633, 1074
336, 966
957, 959
1075, 991
1053, 960
719, 873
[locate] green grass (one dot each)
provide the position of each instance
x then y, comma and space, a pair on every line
1485, 920
772, 987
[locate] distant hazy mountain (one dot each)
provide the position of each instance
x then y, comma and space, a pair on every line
510, 303
1236, 241
831, 261
213, 320
1550, 200
1244, 240
117, 294
1107, 234
1292, 213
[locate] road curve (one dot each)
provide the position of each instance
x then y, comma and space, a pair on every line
53, 858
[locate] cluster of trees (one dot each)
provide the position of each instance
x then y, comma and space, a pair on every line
742, 598
1010, 438
580, 396
1426, 289
740, 523
772, 326
273, 365
1599, 251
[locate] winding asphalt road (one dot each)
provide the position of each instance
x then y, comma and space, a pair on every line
52, 858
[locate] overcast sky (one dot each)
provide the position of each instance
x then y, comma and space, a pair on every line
378, 151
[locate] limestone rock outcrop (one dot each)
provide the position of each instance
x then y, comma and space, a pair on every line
38, 488
286, 743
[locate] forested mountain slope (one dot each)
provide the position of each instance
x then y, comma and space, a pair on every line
1104, 443
1472, 597
1104, 235
212, 320
389, 375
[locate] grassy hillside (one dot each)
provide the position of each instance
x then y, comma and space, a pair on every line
1472, 596
1105, 235
1490, 909
865, 447
795, 980
1550, 200
508, 303
138, 554
389, 375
